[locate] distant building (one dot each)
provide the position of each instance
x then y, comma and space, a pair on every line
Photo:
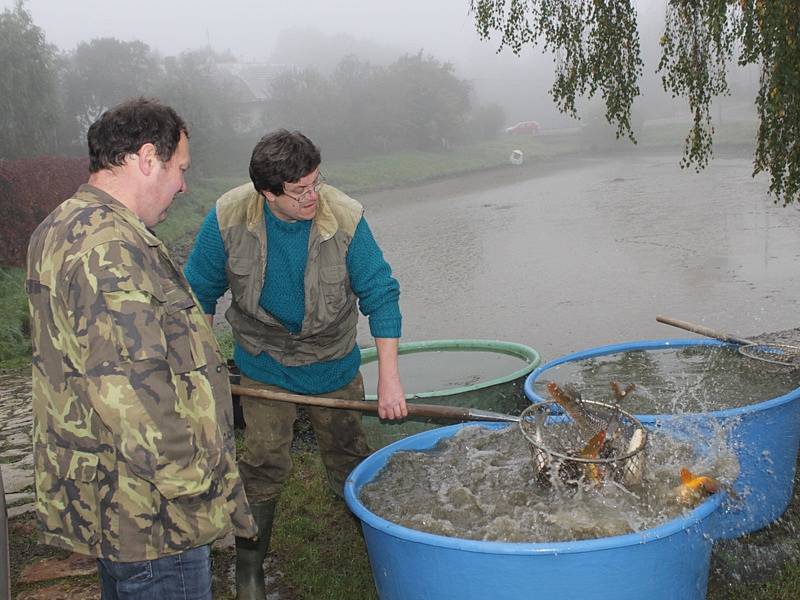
256, 78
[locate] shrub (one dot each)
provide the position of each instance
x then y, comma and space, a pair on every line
29, 189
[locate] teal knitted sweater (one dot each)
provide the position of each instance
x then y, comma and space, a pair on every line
283, 297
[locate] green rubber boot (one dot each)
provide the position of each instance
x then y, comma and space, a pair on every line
250, 554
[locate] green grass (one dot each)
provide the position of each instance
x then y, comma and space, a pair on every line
188, 210
408, 168
785, 586
225, 341
316, 540
15, 345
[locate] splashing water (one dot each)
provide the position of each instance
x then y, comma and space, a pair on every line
675, 381
479, 484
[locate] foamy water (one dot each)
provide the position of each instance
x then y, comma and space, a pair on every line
479, 484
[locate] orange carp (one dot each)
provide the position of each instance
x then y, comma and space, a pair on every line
694, 488
592, 451
571, 403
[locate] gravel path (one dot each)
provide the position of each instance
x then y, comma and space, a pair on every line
16, 459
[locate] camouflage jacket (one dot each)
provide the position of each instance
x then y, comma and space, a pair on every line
133, 430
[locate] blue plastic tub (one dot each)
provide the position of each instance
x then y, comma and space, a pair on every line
663, 563
764, 435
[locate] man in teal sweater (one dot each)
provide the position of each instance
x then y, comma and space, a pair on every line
300, 261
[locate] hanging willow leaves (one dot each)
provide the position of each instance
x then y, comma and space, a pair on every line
595, 44
596, 48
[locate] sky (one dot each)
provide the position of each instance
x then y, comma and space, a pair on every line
248, 27
249, 30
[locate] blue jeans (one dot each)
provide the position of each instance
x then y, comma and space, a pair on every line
184, 576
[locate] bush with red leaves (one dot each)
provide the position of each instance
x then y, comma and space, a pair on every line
30, 188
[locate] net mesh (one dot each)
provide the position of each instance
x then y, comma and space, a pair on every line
608, 444
781, 355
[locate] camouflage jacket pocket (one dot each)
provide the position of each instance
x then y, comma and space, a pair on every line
131, 319
67, 479
183, 324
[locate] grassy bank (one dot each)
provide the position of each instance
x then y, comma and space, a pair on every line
15, 346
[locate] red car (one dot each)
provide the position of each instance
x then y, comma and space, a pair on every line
529, 127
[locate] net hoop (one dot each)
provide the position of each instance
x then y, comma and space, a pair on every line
527, 417
782, 355
552, 463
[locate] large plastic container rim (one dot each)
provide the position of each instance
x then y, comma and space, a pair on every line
428, 439
522, 351
658, 345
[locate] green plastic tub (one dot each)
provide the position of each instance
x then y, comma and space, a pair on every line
503, 392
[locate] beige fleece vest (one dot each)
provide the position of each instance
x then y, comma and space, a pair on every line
329, 323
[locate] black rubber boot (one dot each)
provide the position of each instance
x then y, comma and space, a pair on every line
250, 554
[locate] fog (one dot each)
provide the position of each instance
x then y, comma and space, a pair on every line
312, 32
320, 33
249, 28
581, 245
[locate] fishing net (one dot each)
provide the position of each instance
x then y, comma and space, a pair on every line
606, 443
781, 355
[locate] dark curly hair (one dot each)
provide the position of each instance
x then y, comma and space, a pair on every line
125, 128
282, 157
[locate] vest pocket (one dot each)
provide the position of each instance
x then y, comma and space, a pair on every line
332, 286
240, 270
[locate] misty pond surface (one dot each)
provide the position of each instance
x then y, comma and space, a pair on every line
566, 256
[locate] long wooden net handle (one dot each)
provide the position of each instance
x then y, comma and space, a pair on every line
457, 413
694, 328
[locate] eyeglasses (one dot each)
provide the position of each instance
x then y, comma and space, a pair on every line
303, 196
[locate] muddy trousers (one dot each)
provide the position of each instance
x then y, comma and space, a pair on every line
266, 461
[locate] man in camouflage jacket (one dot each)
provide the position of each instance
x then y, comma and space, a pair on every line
133, 430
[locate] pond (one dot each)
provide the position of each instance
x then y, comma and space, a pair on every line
582, 253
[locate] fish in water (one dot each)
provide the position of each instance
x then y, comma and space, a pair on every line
634, 468
604, 442
619, 393
570, 471
592, 450
694, 488
570, 401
